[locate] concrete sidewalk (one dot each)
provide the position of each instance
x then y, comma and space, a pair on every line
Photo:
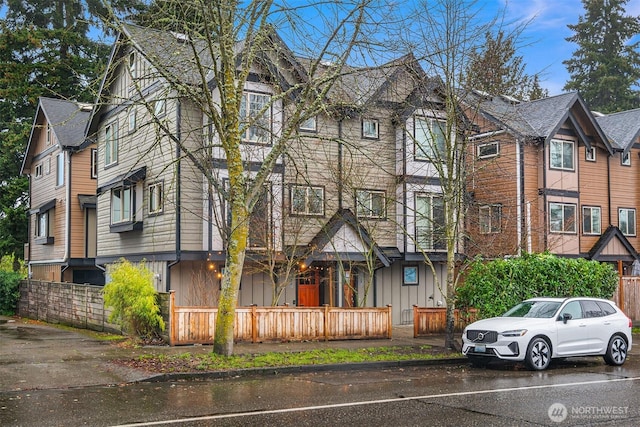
39, 356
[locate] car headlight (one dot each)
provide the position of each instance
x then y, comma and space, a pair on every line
514, 333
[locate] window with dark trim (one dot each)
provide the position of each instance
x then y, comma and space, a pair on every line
627, 221
156, 198
430, 141
430, 222
561, 154
94, 163
370, 203
307, 200
490, 218
591, 220
370, 129
562, 218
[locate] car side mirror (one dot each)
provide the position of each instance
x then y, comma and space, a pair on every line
565, 317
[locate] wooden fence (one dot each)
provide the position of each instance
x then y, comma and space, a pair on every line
627, 296
429, 320
196, 325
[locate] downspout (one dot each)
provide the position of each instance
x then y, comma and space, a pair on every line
544, 194
178, 210
609, 189
519, 193
404, 190
340, 188
67, 213
29, 236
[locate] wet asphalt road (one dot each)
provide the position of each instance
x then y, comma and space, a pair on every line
57, 377
572, 392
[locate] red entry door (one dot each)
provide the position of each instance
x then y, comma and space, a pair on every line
309, 289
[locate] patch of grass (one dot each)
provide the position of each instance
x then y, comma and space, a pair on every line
635, 330
186, 362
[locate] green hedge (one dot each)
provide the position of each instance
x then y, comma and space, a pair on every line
495, 286
9, 292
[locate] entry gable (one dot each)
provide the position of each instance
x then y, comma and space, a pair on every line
613, 246
341, 236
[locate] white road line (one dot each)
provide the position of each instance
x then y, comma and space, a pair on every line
369, 402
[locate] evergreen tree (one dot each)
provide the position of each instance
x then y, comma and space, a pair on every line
497, 70
606, 67
45, 50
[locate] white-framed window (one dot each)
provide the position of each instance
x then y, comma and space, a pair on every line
133, 70
94, 163
490, 218
488, 150
156, 198
430, 141
255, 113
562, 217
49, 135
627, 221
625, 159
47, 166
132, 120
561, 154
122, 202
590, 154
38, 171
60, 169
159, 107
370, 129
370, 203
111, 144
430, 222
309, 125
307, 200
591, 220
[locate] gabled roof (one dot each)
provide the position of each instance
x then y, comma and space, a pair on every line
68, 121
622, 128
541, 119
611, 234
342, 218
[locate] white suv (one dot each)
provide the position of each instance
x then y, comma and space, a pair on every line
539, 329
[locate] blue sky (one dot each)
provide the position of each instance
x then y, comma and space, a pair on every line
544, 41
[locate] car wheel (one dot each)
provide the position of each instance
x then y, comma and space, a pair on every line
616, 351
538, 355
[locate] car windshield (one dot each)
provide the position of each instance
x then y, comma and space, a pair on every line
535, 309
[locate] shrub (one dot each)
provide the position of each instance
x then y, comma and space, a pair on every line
9, 291
494, 286
131, 295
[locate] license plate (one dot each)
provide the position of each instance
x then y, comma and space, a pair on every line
480, 349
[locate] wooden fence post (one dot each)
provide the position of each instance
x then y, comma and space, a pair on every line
172, 318
389, 321
254, 323
326, 322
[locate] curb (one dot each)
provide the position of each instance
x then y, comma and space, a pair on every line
284, 370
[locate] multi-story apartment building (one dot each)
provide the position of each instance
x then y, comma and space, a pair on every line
61, 165
351, 203
550, 175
